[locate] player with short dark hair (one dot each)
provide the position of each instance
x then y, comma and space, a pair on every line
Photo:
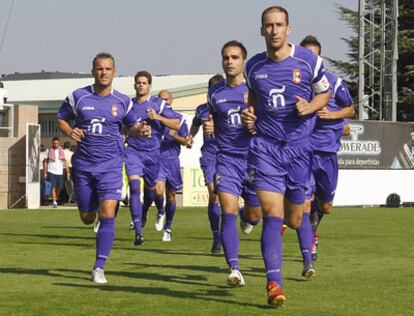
287, 85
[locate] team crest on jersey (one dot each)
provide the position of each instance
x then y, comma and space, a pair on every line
297, 76
114, 110
246, 97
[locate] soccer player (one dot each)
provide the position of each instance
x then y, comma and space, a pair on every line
226, 100
287, 85
208, 165
142, 153
99, 113
169, 177
325, 140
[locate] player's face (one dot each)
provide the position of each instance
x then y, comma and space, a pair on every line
232, 61
275, 30
103, 72
315, 49
142, 86
166, 96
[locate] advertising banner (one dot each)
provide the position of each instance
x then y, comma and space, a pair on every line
194, 191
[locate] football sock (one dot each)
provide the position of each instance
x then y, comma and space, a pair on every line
159, 203
271, 245
230, 239
305, 237
214, 218
170, 212
104, 240
135, 205
149, 197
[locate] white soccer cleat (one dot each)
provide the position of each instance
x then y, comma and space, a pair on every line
246, 227
96, 226
235, 279
98, 276
159, 222
166, 236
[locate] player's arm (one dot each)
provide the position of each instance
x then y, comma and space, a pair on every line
247, 116
318, 102
178, 138
74, 133
345, 112
343, 99
193, 132
139, 129
167, 117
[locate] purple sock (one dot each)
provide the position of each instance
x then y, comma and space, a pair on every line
305, 237
271, 244
230, 239
159, 203
149, 197
214, 218
104, 240
135, 205
170, 212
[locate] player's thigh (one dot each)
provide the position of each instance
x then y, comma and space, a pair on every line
85, 191
229, 202
109, 185
271, 203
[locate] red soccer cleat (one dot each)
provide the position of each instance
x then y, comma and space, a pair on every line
283, 229
275, 296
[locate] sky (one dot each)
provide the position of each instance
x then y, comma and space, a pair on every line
161, 36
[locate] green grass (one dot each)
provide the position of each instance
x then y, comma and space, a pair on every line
366, 267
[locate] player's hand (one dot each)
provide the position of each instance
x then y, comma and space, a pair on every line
152, 114
303, 106
325, 114
172, 132
77, 134
144, 130
189, 141
208, 126
248, 119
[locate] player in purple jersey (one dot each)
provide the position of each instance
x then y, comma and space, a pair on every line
226, 100
287, 85
325, 139
143, 154
169, 178
99, 113
208, 165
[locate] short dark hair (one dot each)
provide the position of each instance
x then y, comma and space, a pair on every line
143, 73
276, 8
235, 43
66, 145
214, 80
55, 138
311, 40
102, 55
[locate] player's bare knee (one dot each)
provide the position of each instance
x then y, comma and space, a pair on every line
327, 208
88, 218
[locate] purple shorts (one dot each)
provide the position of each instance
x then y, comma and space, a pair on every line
232, 177
280, 168
208, 165
145, 164
325, 175
170, 173
91, 188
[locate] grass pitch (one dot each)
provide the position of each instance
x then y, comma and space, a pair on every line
365, 267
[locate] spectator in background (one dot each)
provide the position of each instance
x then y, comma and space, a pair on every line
53, 168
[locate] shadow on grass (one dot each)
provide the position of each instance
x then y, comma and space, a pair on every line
50, 236
204, 295
41, 272
69, 227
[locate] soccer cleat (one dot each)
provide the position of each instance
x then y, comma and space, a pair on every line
216, 247
98, 276
167, 235
139, 240
132, 225
55, 205
235, 279
246, 227
283, 229
96, 225
159, 222
275, 296
309, 271
314, 247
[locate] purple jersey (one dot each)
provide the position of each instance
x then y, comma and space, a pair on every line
276, 84
209, 142
102, 118
170, 148
226, 104
327, 133
139, 110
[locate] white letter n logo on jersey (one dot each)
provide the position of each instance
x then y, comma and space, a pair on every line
276, 98
96, 126
234, 115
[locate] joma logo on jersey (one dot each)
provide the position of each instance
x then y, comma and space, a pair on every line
260, 76
221, 101
88, 108
297, 76
114, 110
